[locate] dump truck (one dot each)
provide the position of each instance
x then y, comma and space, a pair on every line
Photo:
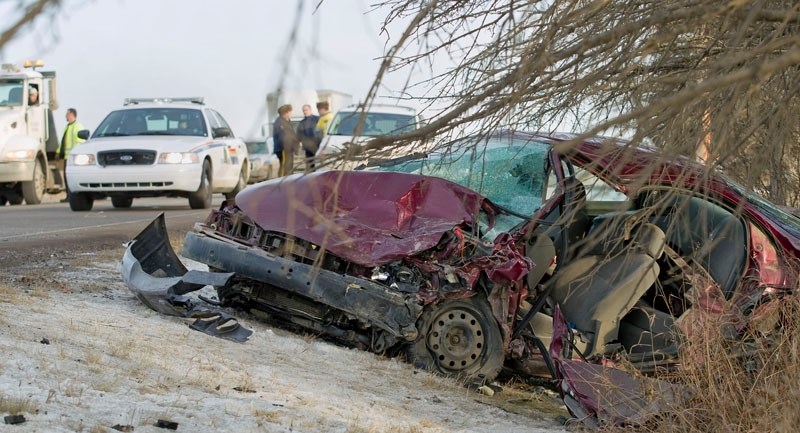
28, 140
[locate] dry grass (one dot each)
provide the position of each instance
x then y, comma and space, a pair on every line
265, 416
17, 405
99, 428
8, 294
741, 386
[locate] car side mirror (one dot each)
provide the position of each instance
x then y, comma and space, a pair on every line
222, 132
83, 134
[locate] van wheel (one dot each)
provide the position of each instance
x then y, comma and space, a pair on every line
459, 338
33, 191
201, 199
80, 201
122, 202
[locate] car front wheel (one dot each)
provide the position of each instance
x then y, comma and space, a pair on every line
122, 202
459, 338
201, 199
80, 201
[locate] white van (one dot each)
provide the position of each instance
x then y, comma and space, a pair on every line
379, 120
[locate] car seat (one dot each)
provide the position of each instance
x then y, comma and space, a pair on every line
596, 291
577, 219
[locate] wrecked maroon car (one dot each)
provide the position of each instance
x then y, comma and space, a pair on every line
460, 260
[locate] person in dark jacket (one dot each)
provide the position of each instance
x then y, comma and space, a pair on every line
306, 132
285, 139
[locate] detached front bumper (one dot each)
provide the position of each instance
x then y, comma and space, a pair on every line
152, 271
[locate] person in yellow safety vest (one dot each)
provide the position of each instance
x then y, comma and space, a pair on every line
68, 141
70, 137
325, 116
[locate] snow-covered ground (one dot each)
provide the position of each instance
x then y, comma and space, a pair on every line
78, 353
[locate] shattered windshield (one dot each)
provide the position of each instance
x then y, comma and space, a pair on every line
508, 170
345, 122
153, 121
11, 93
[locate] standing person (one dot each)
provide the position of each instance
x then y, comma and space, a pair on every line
285, 139
306, 133
325, 116
68, 141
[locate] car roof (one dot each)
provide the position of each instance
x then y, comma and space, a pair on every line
191, 102
381, 108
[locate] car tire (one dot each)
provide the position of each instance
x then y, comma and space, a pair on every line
80, 201
33, 190
201, 199
459, 338
122, 202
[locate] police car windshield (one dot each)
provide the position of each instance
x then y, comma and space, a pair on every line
153, 121
11, 93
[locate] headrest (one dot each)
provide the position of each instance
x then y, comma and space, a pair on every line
650, 238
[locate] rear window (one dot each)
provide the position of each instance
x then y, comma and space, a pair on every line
153, 121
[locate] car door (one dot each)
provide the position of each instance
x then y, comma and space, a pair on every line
219, 154
235, 152
560, 202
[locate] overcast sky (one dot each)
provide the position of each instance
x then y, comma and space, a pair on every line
230, 52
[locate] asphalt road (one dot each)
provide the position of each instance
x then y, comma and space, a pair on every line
27, 232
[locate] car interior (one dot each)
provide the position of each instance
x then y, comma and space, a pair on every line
616, 287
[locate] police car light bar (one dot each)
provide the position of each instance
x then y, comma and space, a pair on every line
193, 100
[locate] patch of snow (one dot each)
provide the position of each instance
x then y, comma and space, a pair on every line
110, 360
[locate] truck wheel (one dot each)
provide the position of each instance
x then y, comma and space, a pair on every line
122, 202
243, 175
80, 201
201, 199
33, 191
15, 198
459, 338
3, 200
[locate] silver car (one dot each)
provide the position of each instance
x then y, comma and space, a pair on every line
264, 164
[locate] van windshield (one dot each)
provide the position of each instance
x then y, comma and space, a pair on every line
375, 124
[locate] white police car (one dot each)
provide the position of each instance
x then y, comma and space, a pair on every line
157, 147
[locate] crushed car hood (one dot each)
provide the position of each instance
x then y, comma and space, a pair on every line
370, 218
